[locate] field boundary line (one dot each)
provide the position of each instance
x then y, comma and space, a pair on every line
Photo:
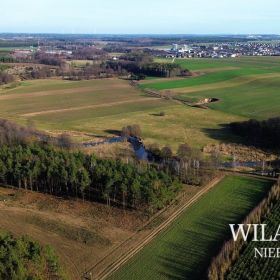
33, 114
223, 84
114, 266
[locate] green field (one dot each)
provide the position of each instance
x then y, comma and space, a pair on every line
246, 86
185, 249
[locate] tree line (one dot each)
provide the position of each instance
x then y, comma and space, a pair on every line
61, 172
14, 134
264, 134
141, 64
48, 59
136, 65
25, 164
7, 59
140, 71
187, 164
89, 53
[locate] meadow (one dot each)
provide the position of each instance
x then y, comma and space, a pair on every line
185, 249
102, 107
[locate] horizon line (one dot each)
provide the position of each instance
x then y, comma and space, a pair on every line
144, 34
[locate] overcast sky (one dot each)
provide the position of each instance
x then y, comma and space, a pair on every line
145, 16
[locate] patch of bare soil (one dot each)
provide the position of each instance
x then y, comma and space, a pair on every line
81, 232
202, 103
240, 152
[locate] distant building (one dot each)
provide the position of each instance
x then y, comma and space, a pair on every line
175, 47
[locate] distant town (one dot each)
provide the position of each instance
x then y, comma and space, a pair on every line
24, 46
223, 50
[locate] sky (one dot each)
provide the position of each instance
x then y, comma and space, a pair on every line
141, 17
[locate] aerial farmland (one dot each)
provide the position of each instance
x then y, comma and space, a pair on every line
130, 159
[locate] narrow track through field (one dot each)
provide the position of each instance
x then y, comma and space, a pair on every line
33, 114
123, 258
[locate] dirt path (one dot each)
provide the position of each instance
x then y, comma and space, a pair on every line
88, 107
94, 89
125, 251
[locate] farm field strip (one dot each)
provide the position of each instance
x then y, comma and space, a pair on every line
36, 104
143, 242
56, 100
208, 78
7, 96
258, 99
31, 86
197, 72
228, 84
216, 69
87, 107
244, 62
178, 251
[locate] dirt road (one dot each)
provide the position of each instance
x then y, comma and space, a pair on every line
120, 255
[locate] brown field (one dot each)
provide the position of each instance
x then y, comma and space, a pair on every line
82, 233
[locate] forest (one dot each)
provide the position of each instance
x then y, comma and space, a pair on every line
135, 185
65, 173
24, 259
141, 64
